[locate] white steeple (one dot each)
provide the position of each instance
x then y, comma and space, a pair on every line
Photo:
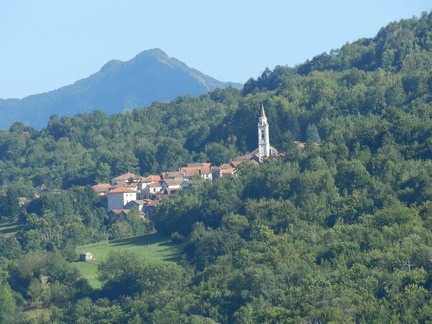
263, 136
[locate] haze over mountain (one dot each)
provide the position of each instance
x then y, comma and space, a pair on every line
119, 86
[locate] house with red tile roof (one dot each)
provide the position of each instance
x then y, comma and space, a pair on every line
174, 175
201, 169
225, 170
149, 185
125, 178
102, 188
151, 179
150, 207
153, 189
119, 197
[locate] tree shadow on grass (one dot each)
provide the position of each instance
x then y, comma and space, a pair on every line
174, 254
168, 250
147, 239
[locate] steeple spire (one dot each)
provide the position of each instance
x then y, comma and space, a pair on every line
263, 136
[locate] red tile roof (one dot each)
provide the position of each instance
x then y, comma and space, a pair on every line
121, 190
170, 182
127, 176
151, 178
153, 203
101, 187
197, 168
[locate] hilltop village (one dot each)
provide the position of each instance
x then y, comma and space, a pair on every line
130, 191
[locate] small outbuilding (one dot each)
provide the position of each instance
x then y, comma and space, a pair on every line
86, 256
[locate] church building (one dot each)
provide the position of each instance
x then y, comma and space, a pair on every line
264, 150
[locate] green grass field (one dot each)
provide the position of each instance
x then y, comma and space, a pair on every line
153, 247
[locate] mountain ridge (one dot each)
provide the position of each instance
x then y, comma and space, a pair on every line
118, 86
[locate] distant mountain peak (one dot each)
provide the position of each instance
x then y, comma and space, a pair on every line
119, 85
154, 52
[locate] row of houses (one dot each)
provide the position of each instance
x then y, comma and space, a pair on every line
131, 191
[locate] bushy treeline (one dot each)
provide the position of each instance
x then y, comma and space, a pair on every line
313, 238
339, 231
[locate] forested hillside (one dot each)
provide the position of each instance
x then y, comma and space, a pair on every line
337, 231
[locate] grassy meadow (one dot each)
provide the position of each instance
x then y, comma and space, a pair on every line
154, 247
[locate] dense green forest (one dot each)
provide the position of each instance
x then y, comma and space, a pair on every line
339, 231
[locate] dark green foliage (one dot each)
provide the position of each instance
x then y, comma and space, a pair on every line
133, 225
44, 279
204, 246
63, 219
125, 273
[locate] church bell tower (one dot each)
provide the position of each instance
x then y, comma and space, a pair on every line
263, 136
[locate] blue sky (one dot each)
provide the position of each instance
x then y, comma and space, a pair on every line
47, 44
